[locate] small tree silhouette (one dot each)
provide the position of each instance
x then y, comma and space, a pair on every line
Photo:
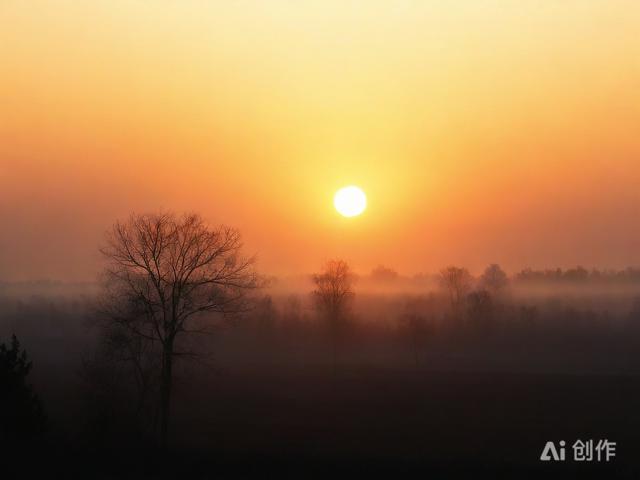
21, 413
332, 295
494, 279
457, 282
384, 274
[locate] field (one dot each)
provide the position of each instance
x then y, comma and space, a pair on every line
270, 399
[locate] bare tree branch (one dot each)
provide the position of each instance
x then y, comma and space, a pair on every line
165, 273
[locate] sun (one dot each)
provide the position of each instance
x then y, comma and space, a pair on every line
350, 201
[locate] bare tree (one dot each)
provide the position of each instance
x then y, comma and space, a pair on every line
332, 294
457, 281
384, 274
494, 279
168, 276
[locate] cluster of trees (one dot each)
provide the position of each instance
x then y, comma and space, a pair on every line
576, 275
579, 275
384, 274
462, 286
169, 278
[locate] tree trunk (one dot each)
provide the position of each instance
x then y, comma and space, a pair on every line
165, 390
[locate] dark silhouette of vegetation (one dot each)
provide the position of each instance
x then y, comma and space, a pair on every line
579, 275
494, 279
21, 412
333, 295
555, 350
457, 282
383, 274
168, 277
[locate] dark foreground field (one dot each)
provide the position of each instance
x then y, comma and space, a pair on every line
475, 397
373, 422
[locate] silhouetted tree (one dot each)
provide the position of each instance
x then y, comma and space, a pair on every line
494, 279
21, 413
457, 282
332, 294
166, 276
578, 274
383, 274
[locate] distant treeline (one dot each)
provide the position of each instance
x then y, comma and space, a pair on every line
529, 275
381, 274
579, 274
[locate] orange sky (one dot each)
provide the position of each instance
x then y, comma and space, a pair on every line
481, 131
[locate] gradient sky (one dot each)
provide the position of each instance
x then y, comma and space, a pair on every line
481, 131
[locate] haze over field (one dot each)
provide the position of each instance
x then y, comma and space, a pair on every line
480, 131
358, 238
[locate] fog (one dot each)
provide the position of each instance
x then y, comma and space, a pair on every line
265, 384
524, 329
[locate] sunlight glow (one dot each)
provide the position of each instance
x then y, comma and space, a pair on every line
350, 201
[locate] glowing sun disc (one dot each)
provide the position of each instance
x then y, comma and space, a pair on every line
350, 201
